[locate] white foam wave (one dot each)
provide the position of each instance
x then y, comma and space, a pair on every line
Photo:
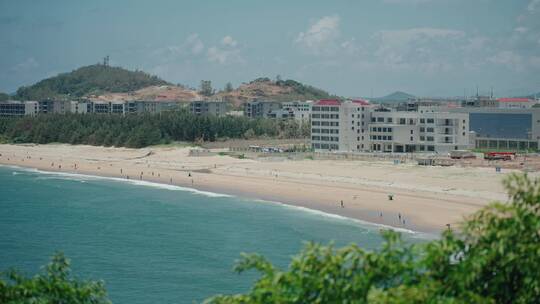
85, 177
344, 218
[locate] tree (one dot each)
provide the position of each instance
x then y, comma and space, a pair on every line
206, 88
55, 285
229, 87
493, 258
4, 96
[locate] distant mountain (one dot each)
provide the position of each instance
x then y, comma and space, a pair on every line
279, 90
397, 96
89, 80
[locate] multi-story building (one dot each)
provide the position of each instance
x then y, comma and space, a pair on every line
201, 107
427, 131
262, 109
340, 126
356, 125
15, 108
299, 110
516, 103
504, 128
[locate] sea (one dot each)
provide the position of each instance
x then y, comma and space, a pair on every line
154, 243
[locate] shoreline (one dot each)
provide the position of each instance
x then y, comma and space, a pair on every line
218, 195
315, 185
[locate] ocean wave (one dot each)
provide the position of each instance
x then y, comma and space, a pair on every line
84, 177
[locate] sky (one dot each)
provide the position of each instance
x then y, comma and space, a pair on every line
347, 47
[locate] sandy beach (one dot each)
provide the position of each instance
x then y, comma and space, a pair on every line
424, 198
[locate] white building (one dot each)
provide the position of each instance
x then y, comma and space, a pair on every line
299, 110
15, 108
356, 125
340, 126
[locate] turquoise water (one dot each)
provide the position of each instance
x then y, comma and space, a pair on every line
152, 243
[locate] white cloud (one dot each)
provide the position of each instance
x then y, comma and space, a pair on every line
223, 55
194, 43
427, 49
507, 58
28, 64
229, 41
533, 5
227, 53
321, 37
521, 29
192, 46
406, 1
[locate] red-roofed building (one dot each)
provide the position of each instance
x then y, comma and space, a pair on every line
328, 102
515, 103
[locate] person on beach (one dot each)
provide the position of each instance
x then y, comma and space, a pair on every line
399, 216
171, 180
120, 170
342, 204
189, 174
127, 176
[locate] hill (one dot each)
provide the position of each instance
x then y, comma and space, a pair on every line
397, 96
266, 89
152, 93
89, 80
101, 82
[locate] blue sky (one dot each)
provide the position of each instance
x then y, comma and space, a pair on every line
350, 48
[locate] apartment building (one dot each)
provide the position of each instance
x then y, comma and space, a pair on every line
15, 108
340, 126
262, 109
356, 125
202, 107
299, 110
427, 131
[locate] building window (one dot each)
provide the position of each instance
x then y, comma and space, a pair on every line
430, 120
380, 119
431, 148
412, 131
389, 119
422, 120
412, 138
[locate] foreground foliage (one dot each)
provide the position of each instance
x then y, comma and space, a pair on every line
493, 258
54, 285
137, 131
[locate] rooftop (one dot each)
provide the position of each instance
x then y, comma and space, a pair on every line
328, 102
510, 99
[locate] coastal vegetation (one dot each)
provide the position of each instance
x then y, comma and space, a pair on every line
55, 284
492, 257
136, 131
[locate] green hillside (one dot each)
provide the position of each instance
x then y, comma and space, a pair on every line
92, 79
